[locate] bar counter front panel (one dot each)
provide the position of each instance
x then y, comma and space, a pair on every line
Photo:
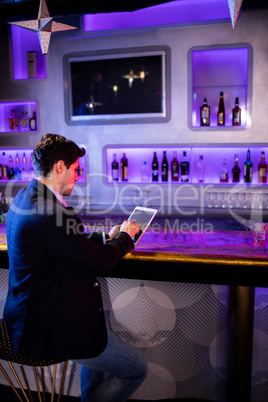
170, 298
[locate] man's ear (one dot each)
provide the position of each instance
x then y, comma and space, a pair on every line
60, 166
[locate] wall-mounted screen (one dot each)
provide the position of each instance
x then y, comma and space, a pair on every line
121, 86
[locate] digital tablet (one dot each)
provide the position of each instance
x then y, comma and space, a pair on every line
142, 217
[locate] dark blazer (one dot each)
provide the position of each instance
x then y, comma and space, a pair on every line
54, 303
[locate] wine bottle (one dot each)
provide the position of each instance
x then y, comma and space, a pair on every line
155, 168
221, 111
10, 170
236, 120
4, 167
124, 166
174, 168
201, 169
115, 169
17, 168
248, 167
205, 114
236, 171
164, 167
262, 169
32, 122
224, 176
24, 172
185, 167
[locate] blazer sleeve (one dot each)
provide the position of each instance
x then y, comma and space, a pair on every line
67, 243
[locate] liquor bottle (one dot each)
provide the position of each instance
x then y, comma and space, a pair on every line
32, 122
262, 169
115, 171
124, 166
224, 176
236, 114
24, 122
221, 111
201, 169
155, 168
164, 167
4, 167
12, 120
17, 168
175, 168
205, 114
145, 172
10, 170
236, 171
24, 172
185, 167
248, 167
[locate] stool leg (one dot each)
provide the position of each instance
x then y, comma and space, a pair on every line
37, 383
53, 382
43, 383
18, 381
10, 382
62, 379
26, 382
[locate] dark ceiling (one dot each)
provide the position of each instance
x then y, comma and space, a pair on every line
14, 10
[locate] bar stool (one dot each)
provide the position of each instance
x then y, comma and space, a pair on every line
22, 358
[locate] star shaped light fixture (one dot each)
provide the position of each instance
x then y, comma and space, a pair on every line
130, 77
44, 26
234, 7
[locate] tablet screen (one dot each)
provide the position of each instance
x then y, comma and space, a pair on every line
142, 217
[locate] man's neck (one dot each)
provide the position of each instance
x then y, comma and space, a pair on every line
49, 182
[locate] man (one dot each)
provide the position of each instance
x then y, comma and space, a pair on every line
54, 304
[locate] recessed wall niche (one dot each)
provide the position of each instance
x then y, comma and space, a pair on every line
215, 69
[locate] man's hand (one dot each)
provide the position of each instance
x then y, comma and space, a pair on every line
130, 227
114, 231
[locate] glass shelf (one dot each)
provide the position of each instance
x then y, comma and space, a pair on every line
21, 109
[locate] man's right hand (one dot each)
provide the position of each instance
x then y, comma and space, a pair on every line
130, 227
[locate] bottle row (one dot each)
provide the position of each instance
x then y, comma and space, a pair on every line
154, 175
16, 164
20, 121
18, 168
205, 112
175, 170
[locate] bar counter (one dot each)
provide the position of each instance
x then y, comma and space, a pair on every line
203, 257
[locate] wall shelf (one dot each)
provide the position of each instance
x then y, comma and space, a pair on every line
213, 157
213, 69
20, 108
24, 41
18, 160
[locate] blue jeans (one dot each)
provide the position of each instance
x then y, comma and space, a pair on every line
126, 369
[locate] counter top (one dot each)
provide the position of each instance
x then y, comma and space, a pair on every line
219, 257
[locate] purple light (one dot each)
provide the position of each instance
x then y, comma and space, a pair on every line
19, 107
213, 159
175, 12
216, 70
24, 41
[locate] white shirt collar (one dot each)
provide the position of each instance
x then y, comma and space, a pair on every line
59, 197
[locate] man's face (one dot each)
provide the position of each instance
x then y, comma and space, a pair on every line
68, 178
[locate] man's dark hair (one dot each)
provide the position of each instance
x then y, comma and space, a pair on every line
53, 148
